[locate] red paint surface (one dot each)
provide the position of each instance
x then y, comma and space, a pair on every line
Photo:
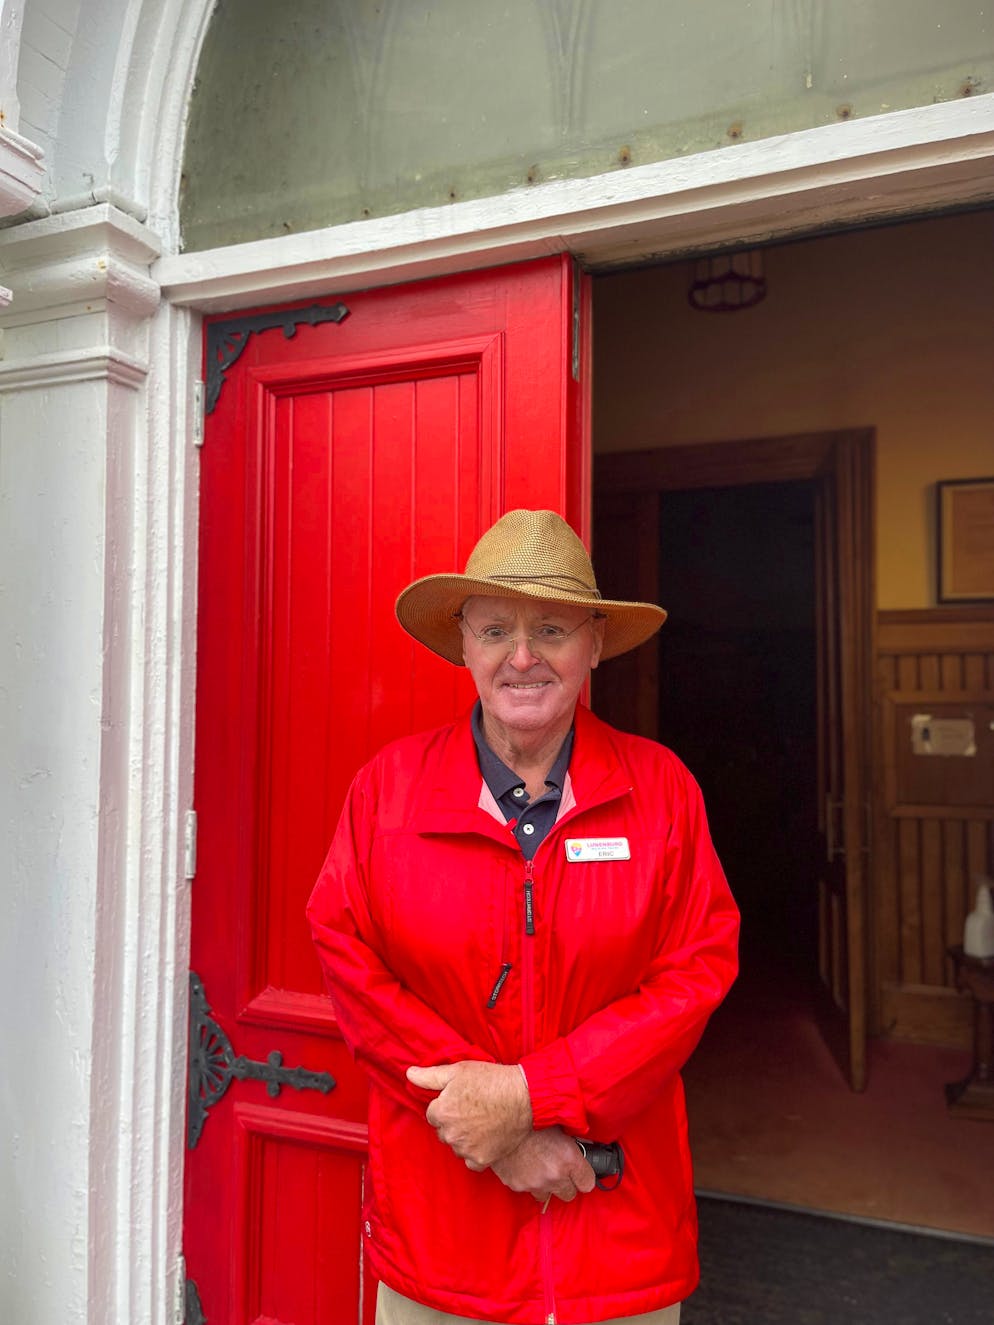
338, 466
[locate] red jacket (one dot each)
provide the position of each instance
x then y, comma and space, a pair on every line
419, 906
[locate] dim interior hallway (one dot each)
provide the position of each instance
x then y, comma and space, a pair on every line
771, 1118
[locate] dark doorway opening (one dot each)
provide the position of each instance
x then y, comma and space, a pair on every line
737, 699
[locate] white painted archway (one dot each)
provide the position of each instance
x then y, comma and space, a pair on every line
96, 389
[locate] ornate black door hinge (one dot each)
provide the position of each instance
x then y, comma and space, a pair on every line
227, 339
193, 1312
213, 1065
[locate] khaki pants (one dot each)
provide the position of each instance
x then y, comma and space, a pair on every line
393, 1309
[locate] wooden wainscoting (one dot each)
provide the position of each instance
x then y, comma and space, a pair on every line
934, 815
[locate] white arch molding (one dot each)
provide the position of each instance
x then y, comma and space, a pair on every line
98, 250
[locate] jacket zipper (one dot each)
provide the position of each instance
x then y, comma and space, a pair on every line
545, 1243
529, 898
528, 963
528, 1043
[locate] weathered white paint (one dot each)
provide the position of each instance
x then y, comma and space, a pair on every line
97, 566
915, 160
11, 20
100, 720
104, 88
52, 577
21, 171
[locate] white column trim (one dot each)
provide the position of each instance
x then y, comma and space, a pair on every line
77, 261
901, 163
95, 363
21, 172
149, 102
81, 283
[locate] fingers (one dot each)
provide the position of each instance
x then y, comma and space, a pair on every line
431, 1078
481, 1110
548, 1164
583, 1176
566, 1191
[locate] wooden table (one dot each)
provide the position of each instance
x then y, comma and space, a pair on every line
973, 1097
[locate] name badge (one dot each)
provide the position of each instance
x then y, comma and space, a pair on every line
597, 848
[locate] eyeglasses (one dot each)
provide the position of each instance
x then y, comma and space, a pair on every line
543, 639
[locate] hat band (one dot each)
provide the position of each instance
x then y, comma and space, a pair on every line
565, 583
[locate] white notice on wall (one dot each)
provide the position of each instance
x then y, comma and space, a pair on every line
942, 736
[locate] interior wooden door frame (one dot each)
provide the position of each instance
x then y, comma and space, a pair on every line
845, 459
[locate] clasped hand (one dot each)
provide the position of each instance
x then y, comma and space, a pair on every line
482, 1110
483, 1113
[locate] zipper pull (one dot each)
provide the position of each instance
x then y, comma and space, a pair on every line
529, 900
505, 971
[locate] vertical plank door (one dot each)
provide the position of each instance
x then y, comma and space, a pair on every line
352, 444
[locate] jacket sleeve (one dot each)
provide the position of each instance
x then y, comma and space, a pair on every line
608, 1069
385, 1025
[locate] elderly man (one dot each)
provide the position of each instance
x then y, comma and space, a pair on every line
524, 929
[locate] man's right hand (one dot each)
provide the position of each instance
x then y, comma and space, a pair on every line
547, 1163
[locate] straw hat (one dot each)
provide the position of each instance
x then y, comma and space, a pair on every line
526, 554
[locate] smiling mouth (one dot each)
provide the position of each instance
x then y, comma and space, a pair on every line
525, 685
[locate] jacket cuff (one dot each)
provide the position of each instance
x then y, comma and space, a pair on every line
554, 1090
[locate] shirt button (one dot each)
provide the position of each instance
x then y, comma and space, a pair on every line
518, 791
528, 829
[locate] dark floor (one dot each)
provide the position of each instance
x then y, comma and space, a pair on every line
772, 1118
767, 1266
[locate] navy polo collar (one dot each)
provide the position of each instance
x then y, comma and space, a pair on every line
502, 780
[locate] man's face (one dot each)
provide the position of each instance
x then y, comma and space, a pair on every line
527, 680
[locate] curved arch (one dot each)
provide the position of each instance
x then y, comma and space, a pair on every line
156, 67
122, 73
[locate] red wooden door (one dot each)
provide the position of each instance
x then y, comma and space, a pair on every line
341, 459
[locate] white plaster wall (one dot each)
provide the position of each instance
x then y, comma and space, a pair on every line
11, 18
48, 30
52, 585
102, 88
888, 328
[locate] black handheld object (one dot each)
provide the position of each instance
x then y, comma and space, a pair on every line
607, 1159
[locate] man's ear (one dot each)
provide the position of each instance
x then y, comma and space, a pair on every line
598, 628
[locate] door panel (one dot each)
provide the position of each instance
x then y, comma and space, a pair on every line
833, 966
841, 466
843, 722
625, 689
340, 462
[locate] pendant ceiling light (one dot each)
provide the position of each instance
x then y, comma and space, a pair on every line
728, 282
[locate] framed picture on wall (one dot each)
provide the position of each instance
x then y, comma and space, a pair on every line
965, 540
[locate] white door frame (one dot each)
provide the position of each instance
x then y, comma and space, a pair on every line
906, 163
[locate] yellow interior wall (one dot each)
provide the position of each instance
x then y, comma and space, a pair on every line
891, 328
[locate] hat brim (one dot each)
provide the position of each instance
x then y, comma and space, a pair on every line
429, 610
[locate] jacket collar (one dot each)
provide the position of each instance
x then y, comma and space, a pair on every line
452, 782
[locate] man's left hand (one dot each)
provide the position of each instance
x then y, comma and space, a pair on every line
482, 1110
547, 1163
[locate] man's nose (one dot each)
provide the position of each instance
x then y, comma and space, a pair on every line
523, 654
